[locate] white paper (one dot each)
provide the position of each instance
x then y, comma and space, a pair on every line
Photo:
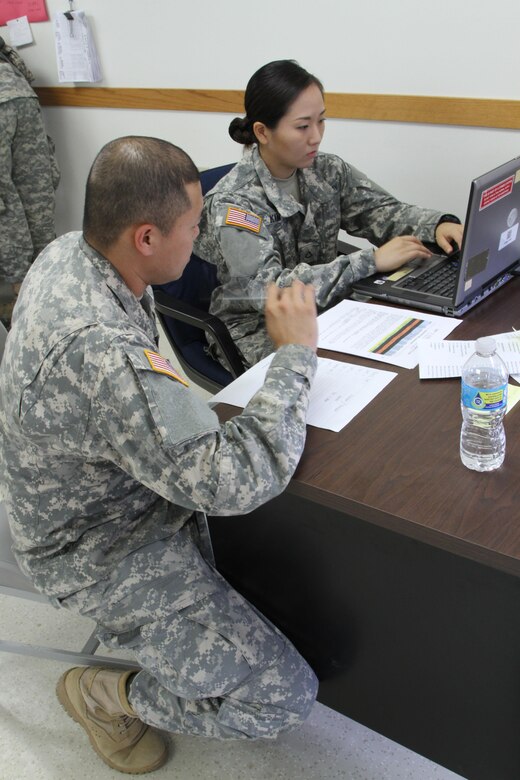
76, 53
338, 393
360, 329
19, 31
443, 359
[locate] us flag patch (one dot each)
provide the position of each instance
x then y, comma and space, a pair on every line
163, 366
243, 219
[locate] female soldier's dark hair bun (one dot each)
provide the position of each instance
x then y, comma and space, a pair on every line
240, 131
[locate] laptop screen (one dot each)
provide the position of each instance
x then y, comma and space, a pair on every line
491, 242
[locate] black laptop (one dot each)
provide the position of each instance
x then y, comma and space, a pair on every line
490, 251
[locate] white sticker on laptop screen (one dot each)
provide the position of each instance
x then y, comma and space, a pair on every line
508, 236
496, 192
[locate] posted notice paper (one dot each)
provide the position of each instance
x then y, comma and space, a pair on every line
76, 52
34, 10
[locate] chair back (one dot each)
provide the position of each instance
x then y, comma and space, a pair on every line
195, 287
212, 176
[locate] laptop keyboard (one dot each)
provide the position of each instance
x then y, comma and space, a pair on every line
440, 280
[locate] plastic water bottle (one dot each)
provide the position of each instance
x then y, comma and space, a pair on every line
483, 405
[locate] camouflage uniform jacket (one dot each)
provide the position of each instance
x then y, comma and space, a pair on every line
29, 172
105, 458
293, 240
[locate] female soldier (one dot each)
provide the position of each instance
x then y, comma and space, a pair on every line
277, 214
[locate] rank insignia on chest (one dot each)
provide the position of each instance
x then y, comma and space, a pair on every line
243, 219
163, 366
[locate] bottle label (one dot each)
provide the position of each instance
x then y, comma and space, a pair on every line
484, 400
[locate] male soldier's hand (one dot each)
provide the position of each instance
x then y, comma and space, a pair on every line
290, 315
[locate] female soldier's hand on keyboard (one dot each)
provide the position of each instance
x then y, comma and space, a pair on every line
399, 251
448, 233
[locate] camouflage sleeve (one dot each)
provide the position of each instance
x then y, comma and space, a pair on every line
27, 189
369, 211
252, 260
167, 438
16, 250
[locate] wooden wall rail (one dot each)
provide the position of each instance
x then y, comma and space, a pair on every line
476, 112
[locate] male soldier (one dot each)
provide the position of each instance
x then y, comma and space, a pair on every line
110, 459
28, 176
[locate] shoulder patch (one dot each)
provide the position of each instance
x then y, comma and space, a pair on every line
163, 366
243, 219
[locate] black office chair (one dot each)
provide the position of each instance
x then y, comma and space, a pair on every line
183, 310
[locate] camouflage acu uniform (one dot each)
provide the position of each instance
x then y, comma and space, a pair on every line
28, 171
295, 240
106, 461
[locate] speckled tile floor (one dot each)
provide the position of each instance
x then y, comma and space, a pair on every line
38, 741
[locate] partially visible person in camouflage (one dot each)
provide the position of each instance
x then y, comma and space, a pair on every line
110, 460
276, 216
29, 176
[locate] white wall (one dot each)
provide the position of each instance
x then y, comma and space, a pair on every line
466, 48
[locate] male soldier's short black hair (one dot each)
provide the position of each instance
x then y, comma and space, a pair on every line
269, 94
134, 180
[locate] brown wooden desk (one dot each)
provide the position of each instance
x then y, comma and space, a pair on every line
396, 571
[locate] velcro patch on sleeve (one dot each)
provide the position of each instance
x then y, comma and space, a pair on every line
243, 219
163, 366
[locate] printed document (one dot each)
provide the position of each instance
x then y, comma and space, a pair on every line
384, 333
76, 53
444, 359
338, 393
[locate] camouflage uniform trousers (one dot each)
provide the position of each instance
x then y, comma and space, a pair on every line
215, 668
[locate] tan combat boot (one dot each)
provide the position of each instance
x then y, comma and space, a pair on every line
96, 699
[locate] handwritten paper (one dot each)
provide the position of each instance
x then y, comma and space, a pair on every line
34, 10
338, 393
384, 333
19, 31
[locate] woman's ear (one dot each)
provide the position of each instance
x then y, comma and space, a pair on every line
261, 132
